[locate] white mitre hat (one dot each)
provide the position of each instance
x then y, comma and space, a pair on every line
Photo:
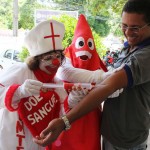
45, 37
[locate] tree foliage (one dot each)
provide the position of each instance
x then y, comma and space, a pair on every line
26, 20
6, 14
102, 15
23, 54
27, 10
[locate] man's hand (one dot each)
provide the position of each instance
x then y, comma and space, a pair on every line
51, 133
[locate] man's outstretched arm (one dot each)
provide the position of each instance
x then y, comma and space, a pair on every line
114, 82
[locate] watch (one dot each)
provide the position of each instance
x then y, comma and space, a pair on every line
66, 122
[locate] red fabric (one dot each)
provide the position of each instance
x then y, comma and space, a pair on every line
68, 86
111, 59
83, 135
9, 95
37, 112
83, 31
43, 76
85, 132
48, 147
66, 106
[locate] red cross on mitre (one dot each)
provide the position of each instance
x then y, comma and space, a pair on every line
52, 36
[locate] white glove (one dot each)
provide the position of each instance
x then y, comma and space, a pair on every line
116, 93
75, 75
29, 88
75, 96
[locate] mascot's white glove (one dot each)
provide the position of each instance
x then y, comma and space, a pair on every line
68, 73
29, 88
116, 93
75, 96
77, 75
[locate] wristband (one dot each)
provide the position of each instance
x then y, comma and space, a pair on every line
66, 122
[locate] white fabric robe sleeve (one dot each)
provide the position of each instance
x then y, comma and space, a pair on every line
14, 75
71, 74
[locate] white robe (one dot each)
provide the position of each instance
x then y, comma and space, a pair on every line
14, 135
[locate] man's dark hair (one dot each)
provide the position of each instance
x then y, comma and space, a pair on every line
138, 7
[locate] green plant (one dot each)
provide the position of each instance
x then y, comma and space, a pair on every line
23, 54
101, 49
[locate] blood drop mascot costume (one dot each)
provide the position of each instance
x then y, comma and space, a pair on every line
85, 132
20, 89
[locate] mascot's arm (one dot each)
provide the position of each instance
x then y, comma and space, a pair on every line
70, 74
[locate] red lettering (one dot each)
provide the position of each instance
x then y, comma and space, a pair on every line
19, 127
20, 148
20, 137
20, 134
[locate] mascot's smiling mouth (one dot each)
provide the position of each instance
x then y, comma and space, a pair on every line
83, 55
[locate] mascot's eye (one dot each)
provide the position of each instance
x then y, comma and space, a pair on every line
90, 43
79, 42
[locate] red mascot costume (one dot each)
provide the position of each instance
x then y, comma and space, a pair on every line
85, 132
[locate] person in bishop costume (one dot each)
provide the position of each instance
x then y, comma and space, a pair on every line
25, 109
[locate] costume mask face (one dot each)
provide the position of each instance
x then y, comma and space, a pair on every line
82, 51
84, 47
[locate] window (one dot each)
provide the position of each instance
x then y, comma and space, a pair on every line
8, 54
